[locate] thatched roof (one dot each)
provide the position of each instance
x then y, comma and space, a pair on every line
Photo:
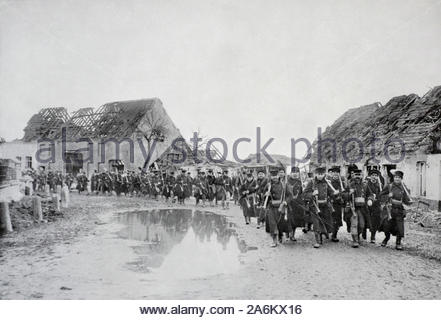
415, 121
280, 160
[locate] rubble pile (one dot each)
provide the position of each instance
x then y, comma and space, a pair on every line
424, 217
22, 215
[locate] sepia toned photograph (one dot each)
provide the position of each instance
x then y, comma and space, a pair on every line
220, 150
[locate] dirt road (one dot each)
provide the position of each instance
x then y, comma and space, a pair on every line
100, 252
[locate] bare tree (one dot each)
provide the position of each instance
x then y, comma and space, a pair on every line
156, 130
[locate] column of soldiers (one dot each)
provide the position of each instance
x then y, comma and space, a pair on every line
321, 203
280, 202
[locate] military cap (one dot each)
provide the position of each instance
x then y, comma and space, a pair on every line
274, 172
374, 171
320, 170
210, 170
356, 171
261, 170
334, 169
225, 170
399, 173
295, 169
352, 167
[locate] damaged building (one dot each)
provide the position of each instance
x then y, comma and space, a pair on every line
404, 134
116, 135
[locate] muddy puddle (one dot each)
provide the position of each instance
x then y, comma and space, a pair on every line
181, 243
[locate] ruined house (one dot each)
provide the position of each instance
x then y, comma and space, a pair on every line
403, 134
116, 135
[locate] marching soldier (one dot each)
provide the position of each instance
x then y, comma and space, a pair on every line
360, 220
178, 189
337, 200
375, 186
188, 186
211, 187
82, 181
318, 193
296, 214
261, 187
169, 183
156, 185
227, 189
247, 193
200, 188
277, 194
398, 194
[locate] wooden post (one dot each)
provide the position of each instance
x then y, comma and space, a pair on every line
5, 218
58, 189
56, 201
47, 189
65, 197
36, 207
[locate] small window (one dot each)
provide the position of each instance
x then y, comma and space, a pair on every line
421, 178
29, 162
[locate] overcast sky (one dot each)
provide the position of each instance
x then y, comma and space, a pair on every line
223, 66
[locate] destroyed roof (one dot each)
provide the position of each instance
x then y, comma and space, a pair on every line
349, 125
115, 119
415, 121
279, 160
46, 123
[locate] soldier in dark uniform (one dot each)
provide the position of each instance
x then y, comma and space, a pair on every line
200, 188
226, 189
69, 179
81, 182
360, 220
261, 188
337, 200
51, 180
211, 187
398, 195
277, 193
296, 213
247, 193
318, 194
178, 189
169, 183
156, 185
375, 186
188, 186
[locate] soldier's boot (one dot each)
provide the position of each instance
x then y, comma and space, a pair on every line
280, 237
317, 240
274, 237
398, 245
334, 236
373, 237
246, 220
386, 239
355, 240
363, 234
292, 235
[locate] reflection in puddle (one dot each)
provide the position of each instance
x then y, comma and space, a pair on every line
182, 243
